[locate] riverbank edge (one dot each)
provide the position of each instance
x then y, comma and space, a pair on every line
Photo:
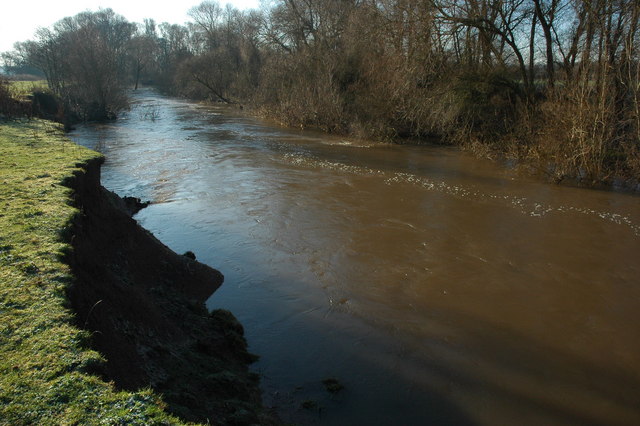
142, 307
504, 152
507, 151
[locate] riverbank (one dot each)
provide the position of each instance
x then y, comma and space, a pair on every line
546, 158
100, 321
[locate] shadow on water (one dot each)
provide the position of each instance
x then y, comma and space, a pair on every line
488, 374
532, 379
298, 350
479, 372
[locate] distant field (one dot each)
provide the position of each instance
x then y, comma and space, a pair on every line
22, 89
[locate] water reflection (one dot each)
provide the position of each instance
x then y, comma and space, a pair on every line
438, 288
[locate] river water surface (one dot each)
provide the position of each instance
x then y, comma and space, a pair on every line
437, 288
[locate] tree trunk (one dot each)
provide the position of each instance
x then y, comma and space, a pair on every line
546, 29
532, 64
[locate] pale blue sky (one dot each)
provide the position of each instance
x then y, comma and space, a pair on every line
19, 19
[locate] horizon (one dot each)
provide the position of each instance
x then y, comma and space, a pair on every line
42, 14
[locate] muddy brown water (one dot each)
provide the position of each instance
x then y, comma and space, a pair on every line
437, 288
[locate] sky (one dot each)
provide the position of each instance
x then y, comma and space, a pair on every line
19, 19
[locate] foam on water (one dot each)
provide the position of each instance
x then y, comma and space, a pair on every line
522, 204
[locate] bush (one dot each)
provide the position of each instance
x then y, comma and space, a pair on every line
487, 105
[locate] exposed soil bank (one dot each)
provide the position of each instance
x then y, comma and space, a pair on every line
144, 305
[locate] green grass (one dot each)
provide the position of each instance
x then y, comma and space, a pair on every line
45, 362
22, 89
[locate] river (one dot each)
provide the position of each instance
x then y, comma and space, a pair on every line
437, 288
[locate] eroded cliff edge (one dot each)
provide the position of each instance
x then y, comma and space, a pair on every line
144, 306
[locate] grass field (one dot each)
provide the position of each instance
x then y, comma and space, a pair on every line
21, 89
45, 363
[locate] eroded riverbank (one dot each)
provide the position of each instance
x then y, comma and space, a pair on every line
144, 306
436, 287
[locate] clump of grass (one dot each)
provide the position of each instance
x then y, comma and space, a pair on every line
46, 365
332, 385
309, 404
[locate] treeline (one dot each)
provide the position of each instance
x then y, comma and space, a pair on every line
556, 82
83, 58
